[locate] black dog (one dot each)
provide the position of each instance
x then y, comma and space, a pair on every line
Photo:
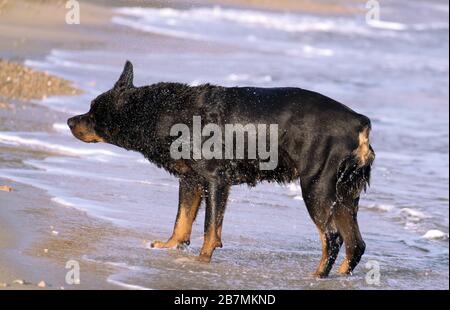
321, 142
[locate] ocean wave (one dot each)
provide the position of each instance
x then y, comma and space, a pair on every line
287, 22
57, 60
203, 23
66, 104
411, 219
413, 215
379, 207
51, 168
37, 143
241, 27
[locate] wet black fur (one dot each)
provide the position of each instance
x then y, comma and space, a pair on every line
317, 137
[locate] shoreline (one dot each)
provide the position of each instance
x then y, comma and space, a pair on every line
29, 252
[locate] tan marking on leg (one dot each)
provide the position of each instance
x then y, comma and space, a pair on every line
345, 267
210, 243
354, 244
323, 259
183, 225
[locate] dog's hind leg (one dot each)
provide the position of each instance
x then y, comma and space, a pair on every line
216, 200
331, 243
347, 224
353, 177
190, 197
319, 196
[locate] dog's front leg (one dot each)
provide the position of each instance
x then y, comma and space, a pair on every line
216, 200
190, 197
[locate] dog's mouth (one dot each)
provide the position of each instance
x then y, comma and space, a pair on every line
87, 137
82, 129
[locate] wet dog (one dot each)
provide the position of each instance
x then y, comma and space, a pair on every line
319, 142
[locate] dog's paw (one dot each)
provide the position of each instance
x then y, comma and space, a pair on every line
194, 259
171, 244
318, 275
163, 245
203, 259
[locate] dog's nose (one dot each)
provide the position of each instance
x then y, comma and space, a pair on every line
71, 122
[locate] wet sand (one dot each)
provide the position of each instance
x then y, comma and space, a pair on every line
34, 27
39, 237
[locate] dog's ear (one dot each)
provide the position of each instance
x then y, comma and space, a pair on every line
126, 78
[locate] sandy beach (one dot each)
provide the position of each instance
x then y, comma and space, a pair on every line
41, 230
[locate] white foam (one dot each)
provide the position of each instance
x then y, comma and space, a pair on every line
435, 234
121, 265
310, 50
294, 187
430, 26
128, 286
387, 25
393, 26
380, 207
157, 30
63, 202
61, 127
413, 215
51, 168
243, 77
196, 83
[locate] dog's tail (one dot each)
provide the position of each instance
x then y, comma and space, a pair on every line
354, 171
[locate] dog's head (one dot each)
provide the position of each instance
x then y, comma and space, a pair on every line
99, 124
